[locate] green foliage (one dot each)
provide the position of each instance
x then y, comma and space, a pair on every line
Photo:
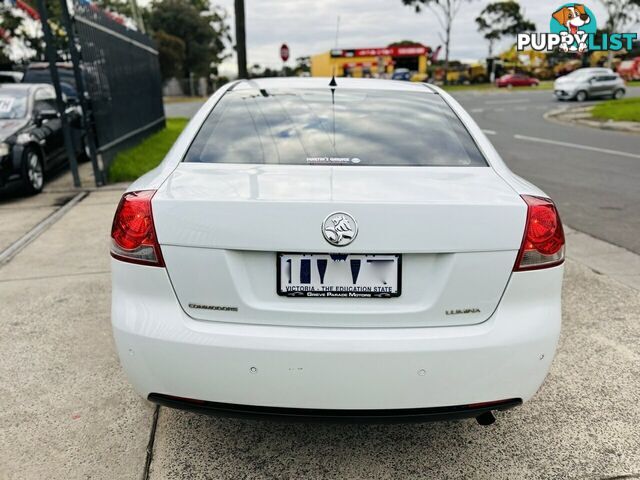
418, 5
445, 12
172, 54
627, 110
133, 162
403, 43
502, 19
303, 64
11, 24
205, 33
621, 14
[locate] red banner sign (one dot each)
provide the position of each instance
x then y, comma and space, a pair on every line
401, 51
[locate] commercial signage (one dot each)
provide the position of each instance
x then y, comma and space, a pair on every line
401, 51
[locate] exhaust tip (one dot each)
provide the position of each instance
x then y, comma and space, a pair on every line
486, 418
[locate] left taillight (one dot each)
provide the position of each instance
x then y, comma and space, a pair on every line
133, 234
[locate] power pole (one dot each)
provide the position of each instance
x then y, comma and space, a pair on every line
241, 45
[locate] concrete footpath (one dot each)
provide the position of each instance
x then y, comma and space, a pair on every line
68, 411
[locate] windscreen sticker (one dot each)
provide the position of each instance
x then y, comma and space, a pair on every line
332, 160
6, 104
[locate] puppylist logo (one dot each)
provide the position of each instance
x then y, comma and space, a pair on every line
573, 29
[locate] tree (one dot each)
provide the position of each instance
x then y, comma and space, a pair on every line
172, 54
303, 65
256, 70
204, 32
403, 43
620, 14
445, 12
21, 38
502, 19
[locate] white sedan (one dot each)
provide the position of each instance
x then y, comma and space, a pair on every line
352, 252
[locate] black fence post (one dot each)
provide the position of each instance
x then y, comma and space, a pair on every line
87, 125
51, 57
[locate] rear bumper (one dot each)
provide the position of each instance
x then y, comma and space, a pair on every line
165, 352
403, 415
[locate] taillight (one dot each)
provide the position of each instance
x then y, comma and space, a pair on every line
543, 242
133, 235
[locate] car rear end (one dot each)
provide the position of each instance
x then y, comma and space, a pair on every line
232, 292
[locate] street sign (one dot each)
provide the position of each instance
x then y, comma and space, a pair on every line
284, 52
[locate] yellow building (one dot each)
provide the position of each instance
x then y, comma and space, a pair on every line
363, 62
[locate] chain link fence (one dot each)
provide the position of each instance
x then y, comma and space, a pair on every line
122, 79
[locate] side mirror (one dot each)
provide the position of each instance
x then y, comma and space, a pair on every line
43, 115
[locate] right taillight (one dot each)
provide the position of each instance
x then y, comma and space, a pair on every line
543, 242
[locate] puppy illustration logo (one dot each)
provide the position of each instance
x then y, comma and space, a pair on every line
576, 20
573, 29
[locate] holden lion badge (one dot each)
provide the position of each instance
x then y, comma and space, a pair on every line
339, 229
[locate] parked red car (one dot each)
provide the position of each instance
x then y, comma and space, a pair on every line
630, 69
517, 80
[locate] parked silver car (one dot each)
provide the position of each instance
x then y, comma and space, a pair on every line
587, 83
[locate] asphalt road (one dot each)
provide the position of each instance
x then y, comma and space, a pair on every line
597, 192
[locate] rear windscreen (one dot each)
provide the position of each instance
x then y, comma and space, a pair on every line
339, 127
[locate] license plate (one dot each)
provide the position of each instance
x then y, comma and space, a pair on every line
339, 275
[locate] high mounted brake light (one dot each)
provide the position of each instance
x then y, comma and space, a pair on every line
543, 242
133, 235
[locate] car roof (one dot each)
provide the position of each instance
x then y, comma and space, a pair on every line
41, 65
323, 82
23, 86
593, 69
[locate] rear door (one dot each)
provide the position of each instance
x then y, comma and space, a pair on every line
611, 82
600, 85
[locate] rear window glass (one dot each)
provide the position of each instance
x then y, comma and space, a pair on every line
344, 127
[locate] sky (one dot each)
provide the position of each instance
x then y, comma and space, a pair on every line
309, 27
